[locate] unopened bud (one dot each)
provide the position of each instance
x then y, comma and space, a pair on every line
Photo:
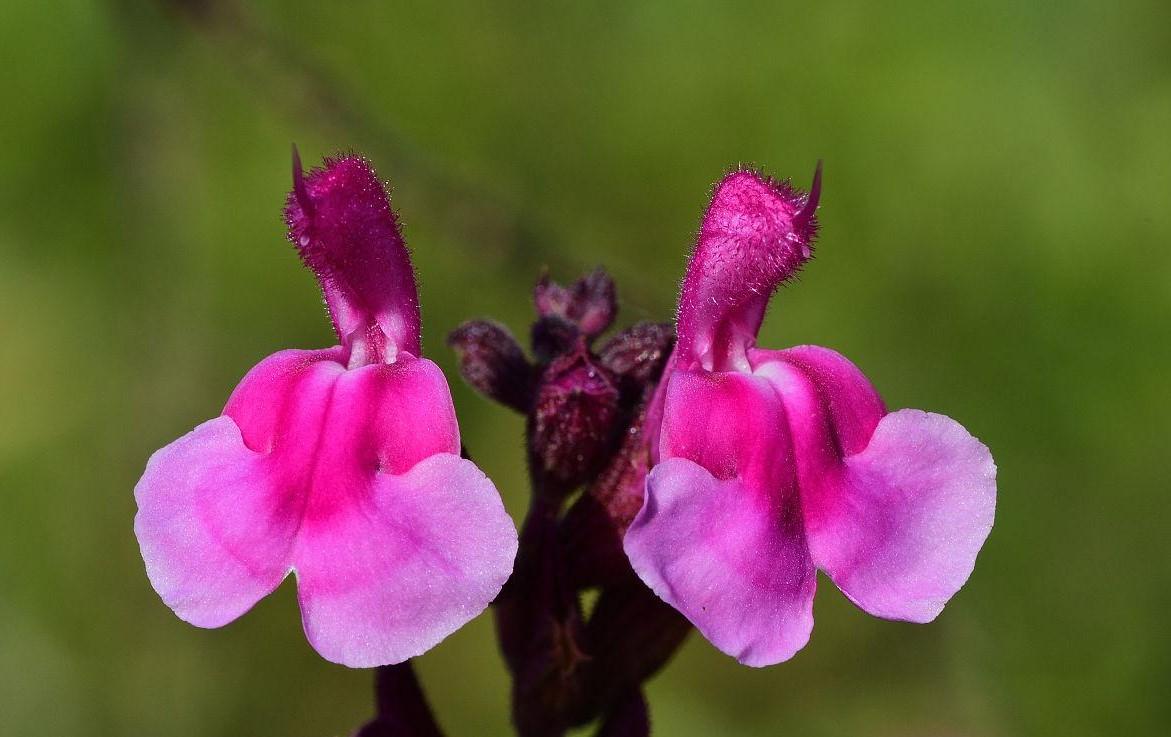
589, 303
594, 526
639, 351
553, 336
575, 419
492, 362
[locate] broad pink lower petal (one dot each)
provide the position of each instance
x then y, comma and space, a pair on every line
899, 528
351, 477
415, 556
730, 559
720, 536
214, 532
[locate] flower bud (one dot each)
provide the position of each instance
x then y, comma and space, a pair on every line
492, 362
589, 303
638, 352
553, 336
595, 524
575, 419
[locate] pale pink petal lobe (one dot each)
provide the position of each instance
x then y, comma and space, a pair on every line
401, 540
218, 509
214, 530
728, 560
901, 525
720, 534
414, 557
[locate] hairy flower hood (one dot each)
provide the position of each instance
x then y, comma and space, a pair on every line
339, 465
771, 464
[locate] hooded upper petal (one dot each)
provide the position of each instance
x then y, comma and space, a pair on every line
720, 535
341, 222
756, 234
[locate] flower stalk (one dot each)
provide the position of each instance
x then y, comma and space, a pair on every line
584, 436
401, 707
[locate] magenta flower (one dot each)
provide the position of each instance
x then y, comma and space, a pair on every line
340, 465
771, 464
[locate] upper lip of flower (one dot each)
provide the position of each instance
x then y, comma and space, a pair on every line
341, 223
755, 235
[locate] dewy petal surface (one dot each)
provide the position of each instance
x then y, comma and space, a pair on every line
350, 477
720, 535
210, 526
902, 524
422, 553
896, 506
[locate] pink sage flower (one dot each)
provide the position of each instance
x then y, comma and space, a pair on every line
340, 465
771, 464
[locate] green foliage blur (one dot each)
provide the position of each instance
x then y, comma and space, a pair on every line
996, 246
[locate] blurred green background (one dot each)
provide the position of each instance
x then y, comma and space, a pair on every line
996, 246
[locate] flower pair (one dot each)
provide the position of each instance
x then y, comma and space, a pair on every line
343, 465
